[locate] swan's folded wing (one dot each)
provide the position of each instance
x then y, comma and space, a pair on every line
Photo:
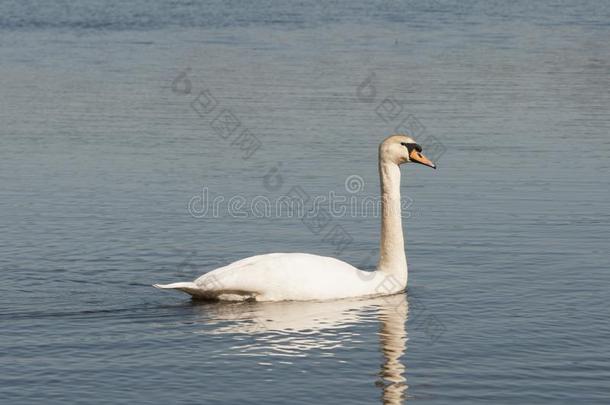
294, 276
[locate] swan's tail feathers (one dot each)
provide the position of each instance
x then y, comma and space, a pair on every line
188, 287
209, 292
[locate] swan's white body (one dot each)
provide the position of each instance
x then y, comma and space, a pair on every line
302, 276
287, 276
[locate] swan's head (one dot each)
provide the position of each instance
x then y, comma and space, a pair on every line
401, 149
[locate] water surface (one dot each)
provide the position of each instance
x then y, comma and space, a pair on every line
506, 242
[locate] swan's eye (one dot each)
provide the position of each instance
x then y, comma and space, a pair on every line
411, 146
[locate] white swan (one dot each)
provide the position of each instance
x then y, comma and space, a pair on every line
302, 276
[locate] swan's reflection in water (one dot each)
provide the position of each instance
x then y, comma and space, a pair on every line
292, 329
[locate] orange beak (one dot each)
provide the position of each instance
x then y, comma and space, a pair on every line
417, 157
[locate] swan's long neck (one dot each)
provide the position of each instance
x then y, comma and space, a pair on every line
392, 258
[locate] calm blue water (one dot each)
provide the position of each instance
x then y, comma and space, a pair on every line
507, 242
